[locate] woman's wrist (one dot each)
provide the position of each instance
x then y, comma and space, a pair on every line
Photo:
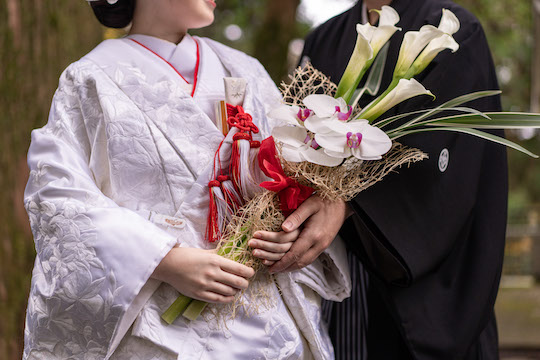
163, 270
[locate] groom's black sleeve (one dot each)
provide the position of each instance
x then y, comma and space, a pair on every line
432, 235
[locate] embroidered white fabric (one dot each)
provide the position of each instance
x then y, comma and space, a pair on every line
125, 153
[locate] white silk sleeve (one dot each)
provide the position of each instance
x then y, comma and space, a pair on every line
93, 256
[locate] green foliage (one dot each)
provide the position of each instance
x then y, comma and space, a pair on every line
244, 13
509, 30
508, 27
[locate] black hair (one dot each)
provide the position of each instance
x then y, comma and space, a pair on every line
116, 15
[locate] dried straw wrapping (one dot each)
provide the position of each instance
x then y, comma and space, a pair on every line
306, 81
260, 213
353, 176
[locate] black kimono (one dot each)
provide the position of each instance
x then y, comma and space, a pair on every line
432, 236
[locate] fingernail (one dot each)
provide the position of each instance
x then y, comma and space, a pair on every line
287, 224
257, 234
255, 253
252, 243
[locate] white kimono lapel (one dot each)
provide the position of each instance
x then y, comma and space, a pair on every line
177, 126
160, 93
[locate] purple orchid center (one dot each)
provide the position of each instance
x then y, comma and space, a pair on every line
354, 140
302, 115
311, 142
343, 116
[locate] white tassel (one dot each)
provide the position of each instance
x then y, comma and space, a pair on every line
224, 212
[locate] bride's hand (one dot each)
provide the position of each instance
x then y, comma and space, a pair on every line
203, 275
272, 246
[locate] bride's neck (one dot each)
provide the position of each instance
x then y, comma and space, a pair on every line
146, 21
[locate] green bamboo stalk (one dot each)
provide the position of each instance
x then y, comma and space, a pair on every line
194, 309
177, 308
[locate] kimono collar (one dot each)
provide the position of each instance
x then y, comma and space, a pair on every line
182, 56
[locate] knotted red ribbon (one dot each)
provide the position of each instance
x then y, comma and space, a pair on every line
291, 193
237, 117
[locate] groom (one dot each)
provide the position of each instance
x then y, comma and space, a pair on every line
432, 237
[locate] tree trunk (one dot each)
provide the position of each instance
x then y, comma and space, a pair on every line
535, 63
273, 36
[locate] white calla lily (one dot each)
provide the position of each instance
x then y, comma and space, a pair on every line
413, 44
405, 89
357, 138
433, 49
449, 25
298, 146
417, 51
387, 16
379, 35
449, 22
369, 42
357, 66
366, 30
419, 48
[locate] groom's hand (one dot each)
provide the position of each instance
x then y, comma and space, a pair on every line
321, 221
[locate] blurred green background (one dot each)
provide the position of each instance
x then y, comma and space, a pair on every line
38, 39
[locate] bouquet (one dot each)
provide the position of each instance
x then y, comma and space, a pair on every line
328, 144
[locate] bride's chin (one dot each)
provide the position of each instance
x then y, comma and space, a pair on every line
205, 21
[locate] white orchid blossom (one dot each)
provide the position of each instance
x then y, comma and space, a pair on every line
355, 138
405, 89
298, 146
325, 108
318, 109
289, 115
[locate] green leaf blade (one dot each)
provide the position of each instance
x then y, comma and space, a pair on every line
474, 132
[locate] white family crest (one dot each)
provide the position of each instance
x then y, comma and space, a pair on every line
444, 159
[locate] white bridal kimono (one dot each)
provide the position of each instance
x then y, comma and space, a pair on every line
118, 177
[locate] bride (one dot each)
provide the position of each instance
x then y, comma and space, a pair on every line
118, 201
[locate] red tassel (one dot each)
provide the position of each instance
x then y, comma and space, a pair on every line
212, 225
230, 194
255, 144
